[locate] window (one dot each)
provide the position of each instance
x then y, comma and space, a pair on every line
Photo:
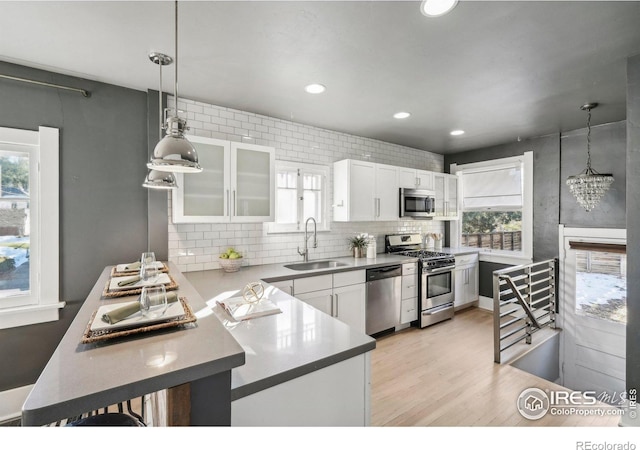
301, 192
28, 226
496, 207
601, 280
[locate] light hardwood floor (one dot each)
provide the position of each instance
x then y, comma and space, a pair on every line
444, 375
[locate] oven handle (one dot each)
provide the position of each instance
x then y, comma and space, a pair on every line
437, 310
439, 269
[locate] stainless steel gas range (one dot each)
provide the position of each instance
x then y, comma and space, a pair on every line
436, 288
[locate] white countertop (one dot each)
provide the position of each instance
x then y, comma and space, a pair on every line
297, 341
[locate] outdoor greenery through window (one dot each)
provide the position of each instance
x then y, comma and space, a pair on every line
14, 224
601, 285
301, 192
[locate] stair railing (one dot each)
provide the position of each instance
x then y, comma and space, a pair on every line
524, 301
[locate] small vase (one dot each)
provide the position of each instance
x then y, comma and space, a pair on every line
357, 252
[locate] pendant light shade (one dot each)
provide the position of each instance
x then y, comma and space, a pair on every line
174, 153
157, 179
589, 186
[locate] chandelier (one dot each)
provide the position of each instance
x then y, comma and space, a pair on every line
589, 186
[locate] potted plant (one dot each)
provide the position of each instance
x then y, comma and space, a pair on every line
358, 244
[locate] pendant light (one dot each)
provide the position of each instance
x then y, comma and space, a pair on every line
174, 153
589, 186
157, 179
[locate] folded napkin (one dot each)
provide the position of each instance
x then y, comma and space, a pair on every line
129, 309
132, 266
128, 281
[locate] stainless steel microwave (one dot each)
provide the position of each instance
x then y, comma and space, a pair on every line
417, 203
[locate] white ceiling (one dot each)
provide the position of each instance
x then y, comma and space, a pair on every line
498, 69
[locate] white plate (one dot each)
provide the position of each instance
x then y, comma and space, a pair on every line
174, 310
163, 278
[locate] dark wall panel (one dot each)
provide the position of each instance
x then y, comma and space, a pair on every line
103, 206
633, 219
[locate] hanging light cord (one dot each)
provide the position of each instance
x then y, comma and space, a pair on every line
589, 170
176, 60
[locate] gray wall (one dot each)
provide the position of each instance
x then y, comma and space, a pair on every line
103, 207
633, 219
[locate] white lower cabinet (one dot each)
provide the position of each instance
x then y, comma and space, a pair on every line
466, 280
409, 304
341, 295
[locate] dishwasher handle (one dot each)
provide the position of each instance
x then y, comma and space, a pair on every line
380, 273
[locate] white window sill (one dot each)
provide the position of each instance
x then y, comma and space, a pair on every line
505, 258
29, 315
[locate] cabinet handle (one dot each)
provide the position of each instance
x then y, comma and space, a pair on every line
378, 215
291, 291
227, 212
337, 307
418, 181
235, 207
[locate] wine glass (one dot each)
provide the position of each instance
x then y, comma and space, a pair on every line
153, 301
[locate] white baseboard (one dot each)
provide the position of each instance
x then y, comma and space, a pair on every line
11, 402
485, 303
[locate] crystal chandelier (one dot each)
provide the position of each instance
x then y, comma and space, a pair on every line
589, 186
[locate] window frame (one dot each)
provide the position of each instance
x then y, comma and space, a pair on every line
43, 304
316, 169
524, 256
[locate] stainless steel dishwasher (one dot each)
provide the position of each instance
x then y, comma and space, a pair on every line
384, 294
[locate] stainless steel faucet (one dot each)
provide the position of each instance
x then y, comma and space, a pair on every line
305, 253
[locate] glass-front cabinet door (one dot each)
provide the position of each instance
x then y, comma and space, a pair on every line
237, 184
253, 183
204, 197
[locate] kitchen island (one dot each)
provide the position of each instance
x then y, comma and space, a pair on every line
303, 367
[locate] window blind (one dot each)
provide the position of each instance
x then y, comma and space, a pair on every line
493, 189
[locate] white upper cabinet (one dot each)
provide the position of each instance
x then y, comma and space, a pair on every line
446, 192
364, 191
237, 184
415, 179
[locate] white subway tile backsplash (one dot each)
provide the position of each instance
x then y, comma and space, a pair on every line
197, 246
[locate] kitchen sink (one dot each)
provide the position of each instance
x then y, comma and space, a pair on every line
314, 265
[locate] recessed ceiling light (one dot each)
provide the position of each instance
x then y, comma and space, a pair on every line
437, 8
401, 115
315, 88
457, 133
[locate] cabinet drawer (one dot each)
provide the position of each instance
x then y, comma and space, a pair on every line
410, 269
466, 259
409, 311
349, 278
310, 284
409, 286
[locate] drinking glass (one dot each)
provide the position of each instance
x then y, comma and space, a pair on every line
149, 272
148, 258
153, 301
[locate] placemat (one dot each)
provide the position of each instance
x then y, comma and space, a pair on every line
113, 294
115, 273
95, 336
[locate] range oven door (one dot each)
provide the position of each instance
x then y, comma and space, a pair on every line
417, 203
437, 288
